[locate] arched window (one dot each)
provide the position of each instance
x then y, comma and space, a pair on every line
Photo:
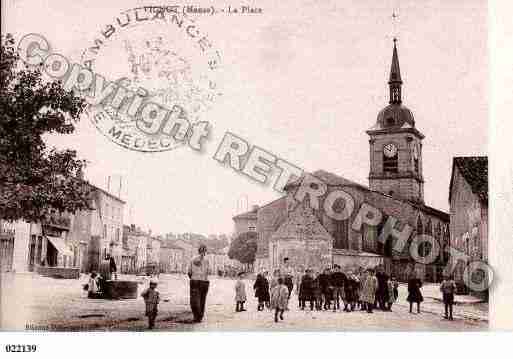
420, 227
389, 122
425, 248
380, 247
438, 231
420, 231
438, 238
429, 228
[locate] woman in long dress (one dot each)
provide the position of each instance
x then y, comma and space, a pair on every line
261, 288
414, 293
369, 288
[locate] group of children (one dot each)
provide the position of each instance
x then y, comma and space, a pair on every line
324, 290
356, 290
274, 295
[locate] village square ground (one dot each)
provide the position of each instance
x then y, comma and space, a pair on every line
41, 303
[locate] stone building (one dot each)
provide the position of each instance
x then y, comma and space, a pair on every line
154, 251
7, 230
64, 244
130, 242
137, 246
468, 199
172, 258
396, 188
111, 213
245, 222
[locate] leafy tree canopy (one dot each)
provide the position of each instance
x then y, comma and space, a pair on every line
243, 248
35, 179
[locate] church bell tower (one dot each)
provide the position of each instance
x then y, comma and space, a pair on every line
396, 145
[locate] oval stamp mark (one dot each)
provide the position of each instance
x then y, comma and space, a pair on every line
166, 71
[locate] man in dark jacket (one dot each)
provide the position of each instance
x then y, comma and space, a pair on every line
337, 280
382, 292
112, 266
324, 283
261, 288
306, 290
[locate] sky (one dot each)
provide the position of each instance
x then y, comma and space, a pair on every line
303, 80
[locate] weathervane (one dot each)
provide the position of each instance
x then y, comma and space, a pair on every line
395, 19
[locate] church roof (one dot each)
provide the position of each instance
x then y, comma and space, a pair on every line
336, 180
474, 170
247, 215
328, 178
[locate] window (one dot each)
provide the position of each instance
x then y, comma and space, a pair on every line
416, 164
389, 122
396, 95
420, 231
340, 235
420, 228
252, 229
386, 247
104, 231
390, 164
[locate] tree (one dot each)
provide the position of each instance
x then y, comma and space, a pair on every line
36, 180
243, 248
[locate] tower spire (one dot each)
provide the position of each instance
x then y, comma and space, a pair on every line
395, 81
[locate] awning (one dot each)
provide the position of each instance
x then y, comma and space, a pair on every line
59, 244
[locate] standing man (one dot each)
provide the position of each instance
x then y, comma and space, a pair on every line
338, 280
382, 292
448, 287
198, 274
105, 273
112, 267
288, 275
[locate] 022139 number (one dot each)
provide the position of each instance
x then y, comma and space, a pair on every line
20, 348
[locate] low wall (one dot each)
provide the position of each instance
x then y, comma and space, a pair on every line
120, 289
59, 272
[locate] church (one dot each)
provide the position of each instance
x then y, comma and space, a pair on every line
312, 239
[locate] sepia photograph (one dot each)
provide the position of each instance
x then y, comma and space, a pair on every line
262, 166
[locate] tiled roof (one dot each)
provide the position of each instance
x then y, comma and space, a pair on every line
106, 193
247, 215
474, 170
328, 178
332, 179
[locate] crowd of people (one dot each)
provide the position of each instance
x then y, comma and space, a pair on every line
333, 289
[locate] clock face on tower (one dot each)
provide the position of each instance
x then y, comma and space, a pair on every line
390, 150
